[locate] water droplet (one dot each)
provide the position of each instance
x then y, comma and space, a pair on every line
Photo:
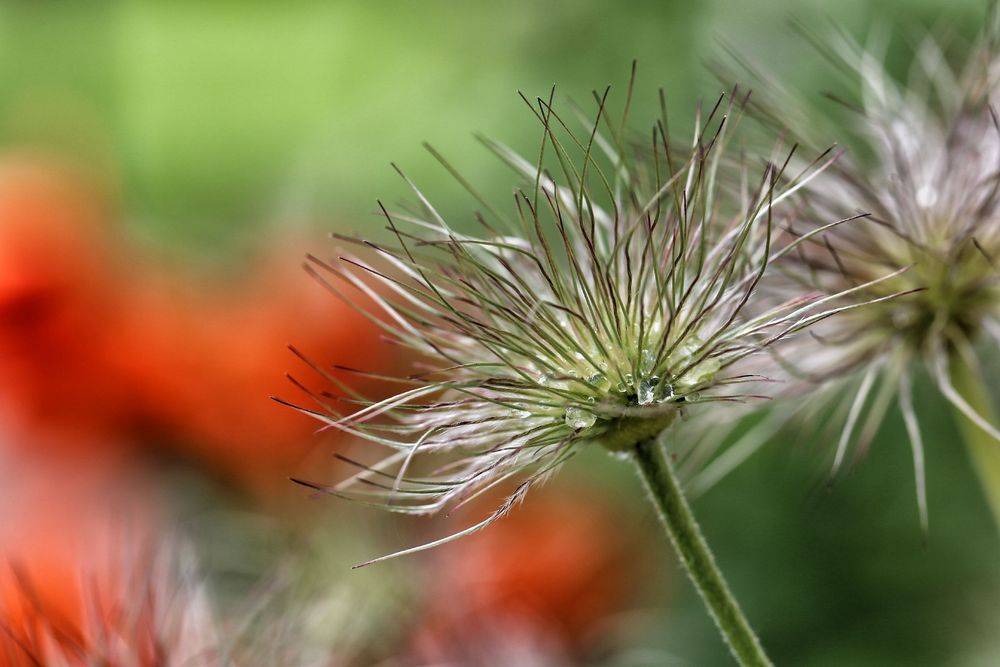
600, 381
682, 354
645, 393
702, 372
577, 418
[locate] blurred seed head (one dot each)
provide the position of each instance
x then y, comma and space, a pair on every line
138, 607
924, 162
150, 603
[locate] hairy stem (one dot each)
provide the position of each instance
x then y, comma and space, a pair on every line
984, 450
664, 489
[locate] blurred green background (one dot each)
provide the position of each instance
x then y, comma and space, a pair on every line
214, 121
216, 116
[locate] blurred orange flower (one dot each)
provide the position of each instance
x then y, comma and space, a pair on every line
225, 351
60, 367
550, 573
104, 351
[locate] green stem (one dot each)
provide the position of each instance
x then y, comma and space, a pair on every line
983, 449
658, 474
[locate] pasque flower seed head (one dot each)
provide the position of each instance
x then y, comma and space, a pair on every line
924, 161
608, 300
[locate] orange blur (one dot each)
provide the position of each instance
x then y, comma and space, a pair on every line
547, 575
102, 350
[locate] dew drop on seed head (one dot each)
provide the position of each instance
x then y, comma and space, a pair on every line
599, 380
645, 392
702, 372
577, 418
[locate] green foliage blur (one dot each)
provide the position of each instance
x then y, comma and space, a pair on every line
216, 119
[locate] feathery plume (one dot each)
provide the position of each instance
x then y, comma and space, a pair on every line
611, 299
925, 163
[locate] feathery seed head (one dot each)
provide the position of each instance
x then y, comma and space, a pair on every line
932, 189
925, 163
610, 299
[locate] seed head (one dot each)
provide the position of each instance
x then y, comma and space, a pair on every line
610, 299
924, 162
